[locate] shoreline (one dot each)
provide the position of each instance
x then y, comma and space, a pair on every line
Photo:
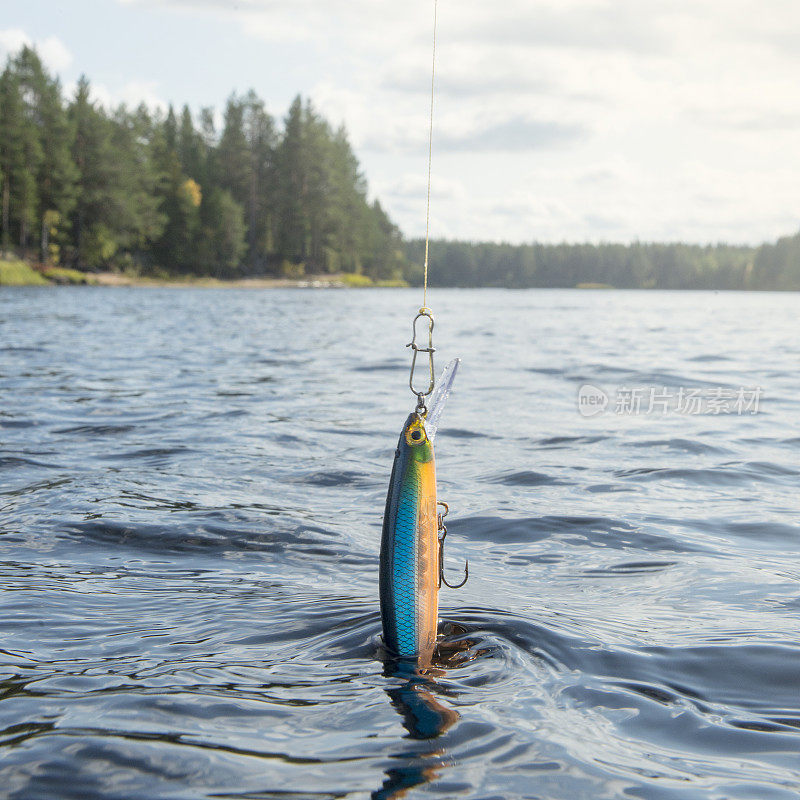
195, 282
17, 272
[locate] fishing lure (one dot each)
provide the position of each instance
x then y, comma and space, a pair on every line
411, 563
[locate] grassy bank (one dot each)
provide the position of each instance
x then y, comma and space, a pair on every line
18, 273
14, 272
68, 277
336, 281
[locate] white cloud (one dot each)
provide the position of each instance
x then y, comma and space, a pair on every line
415, 187
57, 58
621, 25
54, 53
11, 41
130, 94
515, 134
533, 95
555, 119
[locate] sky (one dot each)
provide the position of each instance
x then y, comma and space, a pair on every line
555, 120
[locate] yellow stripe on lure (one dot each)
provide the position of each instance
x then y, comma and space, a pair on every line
410, 565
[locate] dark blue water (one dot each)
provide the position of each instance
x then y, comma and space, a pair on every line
191, 491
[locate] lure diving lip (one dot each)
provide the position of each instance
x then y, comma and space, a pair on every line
409, 563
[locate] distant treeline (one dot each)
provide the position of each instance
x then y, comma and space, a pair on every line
167, 192
90, 188
638, 265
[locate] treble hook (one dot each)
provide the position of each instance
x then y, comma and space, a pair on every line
423, 312
443, 529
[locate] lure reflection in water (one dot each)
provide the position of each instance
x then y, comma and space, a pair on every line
426, 718
410, 552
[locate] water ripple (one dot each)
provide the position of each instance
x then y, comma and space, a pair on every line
191, 491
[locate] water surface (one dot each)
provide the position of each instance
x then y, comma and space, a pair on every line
191, 491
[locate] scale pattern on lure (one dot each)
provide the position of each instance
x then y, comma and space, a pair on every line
409, 569
411, 548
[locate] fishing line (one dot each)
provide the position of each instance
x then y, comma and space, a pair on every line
424, 310
430, 158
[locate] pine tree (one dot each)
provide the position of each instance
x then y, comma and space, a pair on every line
348, 209
232, 158
93, 157
57, 174
22, 151
292, 221
138, 219
12, 156
259, 129
191, 148
180, 198
222, 237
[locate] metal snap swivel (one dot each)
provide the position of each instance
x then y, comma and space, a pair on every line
423, 312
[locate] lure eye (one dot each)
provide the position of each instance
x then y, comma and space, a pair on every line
415, 435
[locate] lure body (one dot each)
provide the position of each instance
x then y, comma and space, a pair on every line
409, 565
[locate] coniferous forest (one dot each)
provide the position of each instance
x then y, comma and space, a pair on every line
92, 189
169, 193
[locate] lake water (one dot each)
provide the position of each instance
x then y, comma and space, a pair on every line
191, 492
